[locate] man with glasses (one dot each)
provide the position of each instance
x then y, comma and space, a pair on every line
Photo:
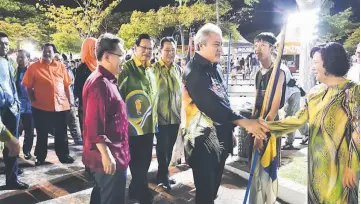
168, 80
137, 88
106, 149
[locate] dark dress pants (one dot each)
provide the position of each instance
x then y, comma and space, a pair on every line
208, 169
45, 121
28, 126
166, 138
141, 155
109, 189
11, 163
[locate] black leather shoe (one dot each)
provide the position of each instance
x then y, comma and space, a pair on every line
39, 162
27, 155
16, 185
66, 160
172, 181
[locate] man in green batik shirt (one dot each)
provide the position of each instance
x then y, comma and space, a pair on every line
137, 88
168, 80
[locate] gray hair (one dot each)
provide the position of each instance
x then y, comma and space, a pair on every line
203, 33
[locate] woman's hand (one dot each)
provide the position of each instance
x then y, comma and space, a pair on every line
349, 178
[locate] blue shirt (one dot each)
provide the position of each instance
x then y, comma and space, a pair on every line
25, 104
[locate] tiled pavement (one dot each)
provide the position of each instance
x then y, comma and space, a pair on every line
55, 183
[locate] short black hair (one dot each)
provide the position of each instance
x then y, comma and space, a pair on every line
334, 58
72, 61
166, 39
141, 37
65, 58
3, 35
266, 36
106, 42
51, 45
26, 53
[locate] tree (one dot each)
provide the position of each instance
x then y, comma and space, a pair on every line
112, 22
66, 42
86, 19
337, 27
18, 33
181, 18
352, 41
23, 22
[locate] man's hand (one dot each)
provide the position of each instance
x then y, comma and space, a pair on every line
258, 144
109, 164
349, 178
254, 127
108, 160
13, 146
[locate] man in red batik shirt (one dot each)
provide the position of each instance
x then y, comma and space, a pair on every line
106, 149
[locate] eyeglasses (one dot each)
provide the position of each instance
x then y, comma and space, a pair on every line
169, 51
146, 48
119, 55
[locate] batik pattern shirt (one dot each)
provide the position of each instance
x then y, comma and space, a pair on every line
168, 81
206, 106
137, 87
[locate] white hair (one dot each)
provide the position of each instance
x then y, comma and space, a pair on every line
203, 33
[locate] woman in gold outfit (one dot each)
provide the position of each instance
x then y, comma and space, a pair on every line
332, 110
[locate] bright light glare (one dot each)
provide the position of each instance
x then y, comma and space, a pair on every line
28, 46
307, 22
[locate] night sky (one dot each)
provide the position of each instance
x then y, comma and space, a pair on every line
265, 19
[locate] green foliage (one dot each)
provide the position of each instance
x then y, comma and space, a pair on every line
112, 22
86, 19
18, 33
23, 22
15, 11
67, 42
181, 18
337, 27
351, 42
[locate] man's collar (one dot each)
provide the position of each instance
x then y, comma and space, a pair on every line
162, 63
203, 61
107, 74
138, 63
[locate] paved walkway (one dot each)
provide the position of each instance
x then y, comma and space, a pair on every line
58, 183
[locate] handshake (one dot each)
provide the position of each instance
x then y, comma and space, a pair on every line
258, 128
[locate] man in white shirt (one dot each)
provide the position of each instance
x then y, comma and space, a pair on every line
292, 105
354, 72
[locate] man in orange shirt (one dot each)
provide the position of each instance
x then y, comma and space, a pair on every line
47, 82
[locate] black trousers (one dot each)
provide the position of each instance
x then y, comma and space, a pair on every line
11, 163
208, 169
109, 189
45, 121
28, 126
141, 155
166, 138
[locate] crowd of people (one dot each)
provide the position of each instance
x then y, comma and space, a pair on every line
124, 101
